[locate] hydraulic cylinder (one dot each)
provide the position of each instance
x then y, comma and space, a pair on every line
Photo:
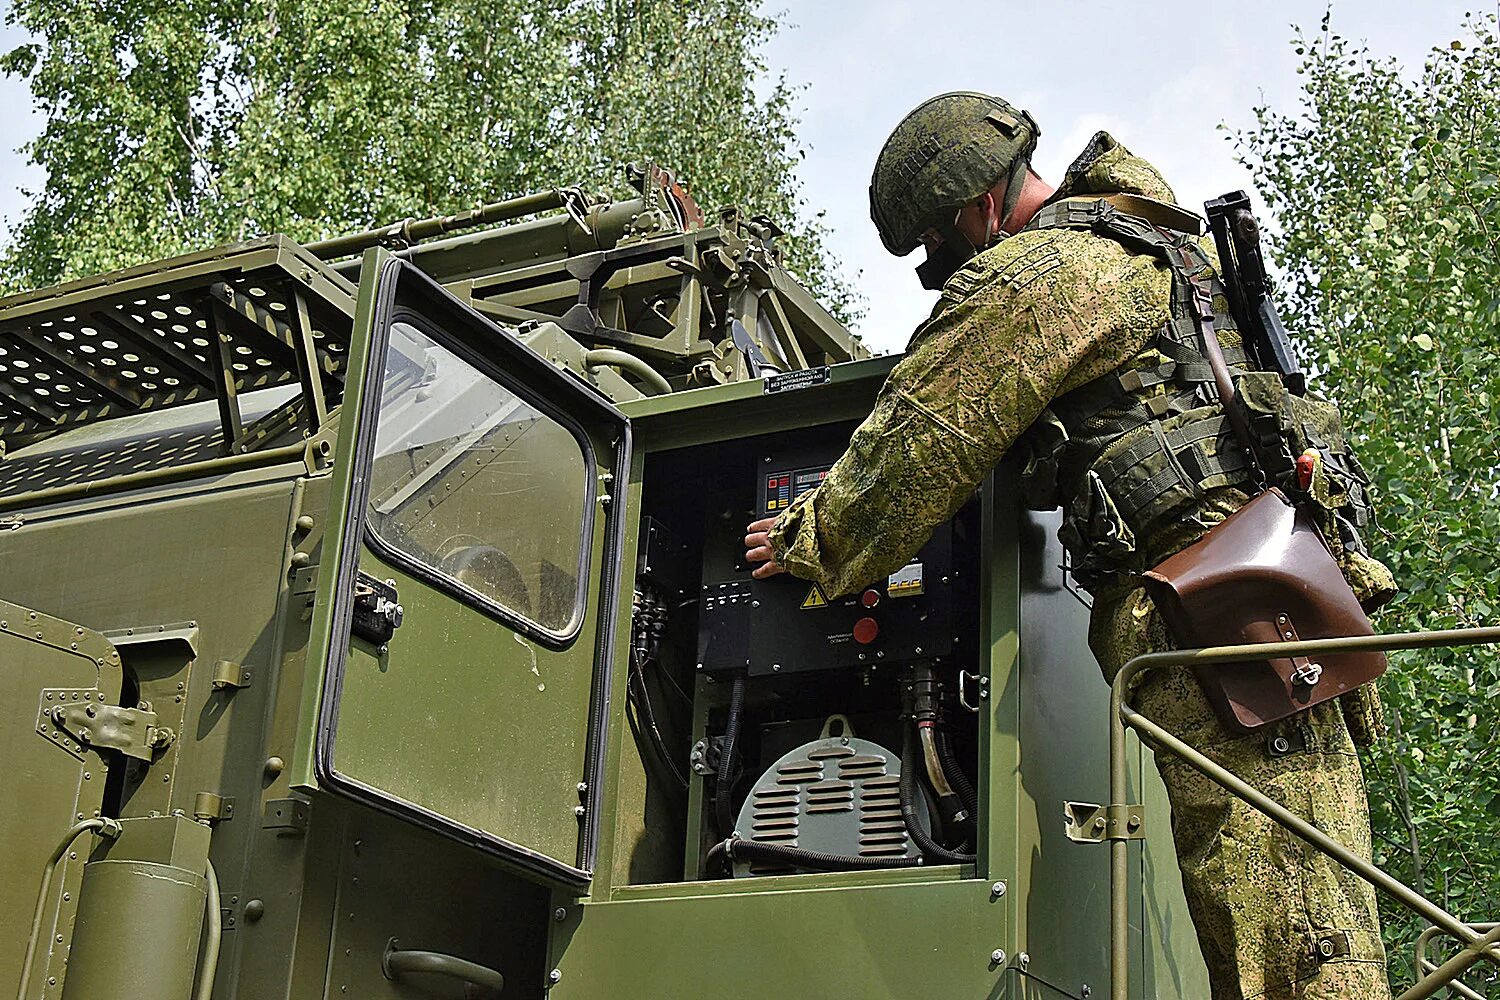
141, 913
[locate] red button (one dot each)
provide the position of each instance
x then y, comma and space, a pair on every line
866, 630
870, 598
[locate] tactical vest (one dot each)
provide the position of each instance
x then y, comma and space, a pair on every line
1136, 451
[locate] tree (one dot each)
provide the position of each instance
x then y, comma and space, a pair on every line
1387, 235
177, 125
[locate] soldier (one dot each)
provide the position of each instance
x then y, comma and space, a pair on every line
1055, 335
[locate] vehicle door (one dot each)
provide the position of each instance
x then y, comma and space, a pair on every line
468, 581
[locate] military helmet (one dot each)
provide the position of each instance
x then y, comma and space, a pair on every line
950, 150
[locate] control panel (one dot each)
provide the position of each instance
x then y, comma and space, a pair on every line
786, 625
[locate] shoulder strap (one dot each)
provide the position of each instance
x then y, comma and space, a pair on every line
1081, 213
1203, 318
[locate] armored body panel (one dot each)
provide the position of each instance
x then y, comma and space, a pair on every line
377, 629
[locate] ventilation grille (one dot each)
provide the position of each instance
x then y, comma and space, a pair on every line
838, 795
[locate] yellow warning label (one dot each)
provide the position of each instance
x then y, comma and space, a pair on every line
815, 598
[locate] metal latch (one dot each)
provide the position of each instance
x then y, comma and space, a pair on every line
1308, 673
377, 614
132, 731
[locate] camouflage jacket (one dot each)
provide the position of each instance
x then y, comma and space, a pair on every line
1026, 321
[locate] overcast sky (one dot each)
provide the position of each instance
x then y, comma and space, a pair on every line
1161, 76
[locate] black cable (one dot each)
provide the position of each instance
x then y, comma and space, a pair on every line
754, 850
723, 807
929, 847
646, 626
642, 698
955, 773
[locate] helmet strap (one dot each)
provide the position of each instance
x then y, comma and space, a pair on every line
1014, 185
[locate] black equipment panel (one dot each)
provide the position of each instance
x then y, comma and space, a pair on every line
785, 625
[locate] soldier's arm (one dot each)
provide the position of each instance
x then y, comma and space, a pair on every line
997, 350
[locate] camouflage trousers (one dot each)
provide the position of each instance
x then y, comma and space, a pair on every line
1263, 902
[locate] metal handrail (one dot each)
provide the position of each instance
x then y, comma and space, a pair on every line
1476, 944
1424, 966
103, 827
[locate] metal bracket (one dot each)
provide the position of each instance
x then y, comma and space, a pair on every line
56, 734
1087, 823
212, 807
286, 814
228, 674
304, 580
83, 715
705, 756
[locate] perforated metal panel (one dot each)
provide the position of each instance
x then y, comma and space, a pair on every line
204, 326
141, 443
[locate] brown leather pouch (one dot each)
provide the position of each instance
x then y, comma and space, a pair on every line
1262, 575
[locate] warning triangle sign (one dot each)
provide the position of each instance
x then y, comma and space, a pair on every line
814, 599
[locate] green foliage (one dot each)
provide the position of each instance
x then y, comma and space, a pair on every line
177, 125
1387, 213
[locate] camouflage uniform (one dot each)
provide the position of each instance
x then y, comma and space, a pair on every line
1026, 321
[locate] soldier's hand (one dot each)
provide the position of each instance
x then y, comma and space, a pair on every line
758, 549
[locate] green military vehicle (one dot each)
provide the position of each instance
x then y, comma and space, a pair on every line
374, 623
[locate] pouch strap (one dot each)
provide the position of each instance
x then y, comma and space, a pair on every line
1202, 311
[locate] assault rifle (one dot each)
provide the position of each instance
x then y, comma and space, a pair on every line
1243, 269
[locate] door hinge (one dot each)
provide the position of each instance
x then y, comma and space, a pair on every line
1087, 823
132, 731
377, 614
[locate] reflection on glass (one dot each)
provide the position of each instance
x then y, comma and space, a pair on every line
474, 483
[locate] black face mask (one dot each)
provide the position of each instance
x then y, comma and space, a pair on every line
941, 264
953, 253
